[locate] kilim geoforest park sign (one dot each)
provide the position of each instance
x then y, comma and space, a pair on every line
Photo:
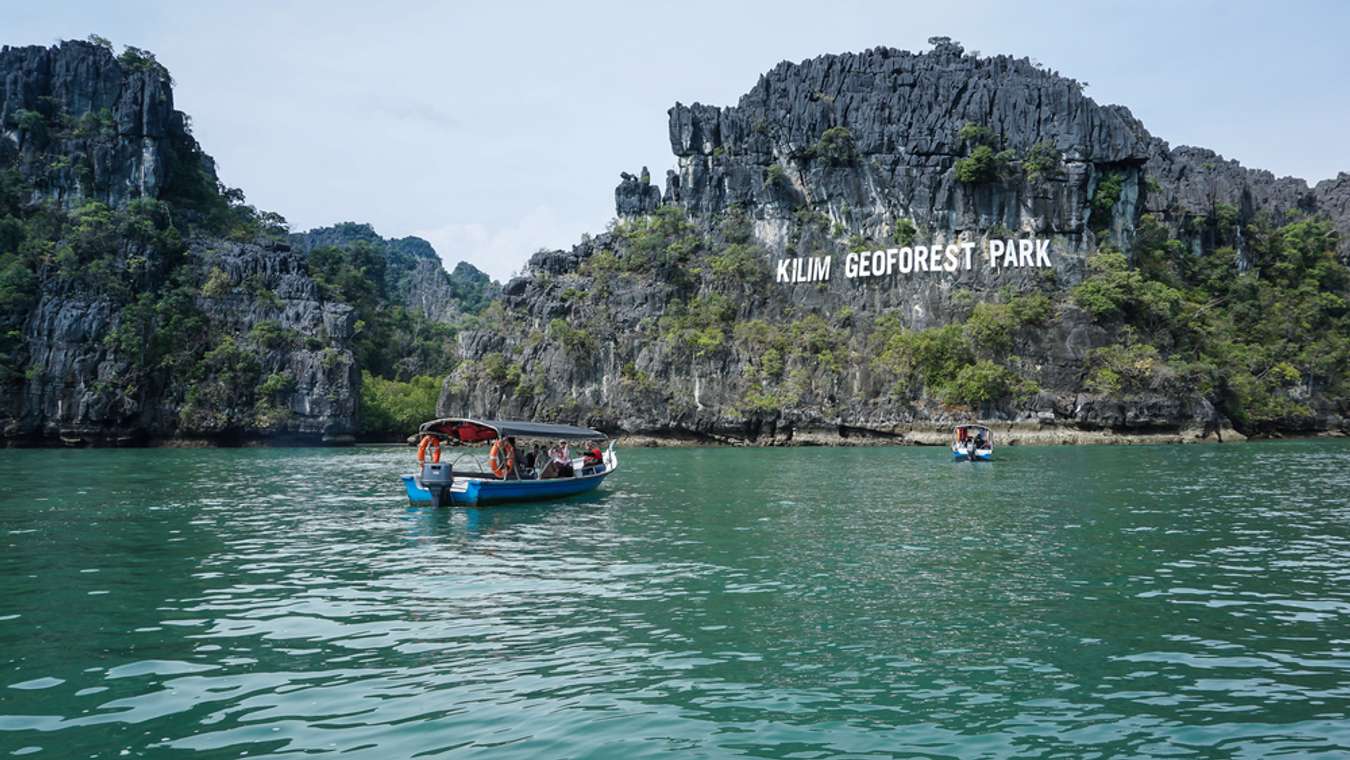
995, 254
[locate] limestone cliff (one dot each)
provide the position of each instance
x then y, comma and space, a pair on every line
141, 300
654, 328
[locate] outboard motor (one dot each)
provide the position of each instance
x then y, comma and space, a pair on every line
437, 478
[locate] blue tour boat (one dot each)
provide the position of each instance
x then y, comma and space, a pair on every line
972, 443
470, 478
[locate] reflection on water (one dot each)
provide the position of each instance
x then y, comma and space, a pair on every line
1169, 601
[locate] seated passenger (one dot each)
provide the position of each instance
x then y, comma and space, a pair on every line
561, 452
562, 456
523, 468
592, 456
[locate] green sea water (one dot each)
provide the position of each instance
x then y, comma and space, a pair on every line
788, 603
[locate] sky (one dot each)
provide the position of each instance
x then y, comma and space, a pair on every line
496, 129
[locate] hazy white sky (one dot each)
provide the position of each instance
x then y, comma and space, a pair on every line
494, 129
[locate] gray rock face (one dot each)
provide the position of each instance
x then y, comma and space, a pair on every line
634, 380
1333, 198
314, 349
636, 195
904, 113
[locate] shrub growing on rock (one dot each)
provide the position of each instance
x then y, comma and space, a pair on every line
738, 263
904, 232
576, 341
1031, 308
1105, 198
1042, 161
836, 147
270, 335
990, 328
972, 135
699, 326
981, 383
983, 165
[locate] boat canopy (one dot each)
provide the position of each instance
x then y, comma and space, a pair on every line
468, 430
962, 431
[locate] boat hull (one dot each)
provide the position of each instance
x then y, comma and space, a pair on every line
477, 492
980, 455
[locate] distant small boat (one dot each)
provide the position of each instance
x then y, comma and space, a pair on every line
972, 443
469, 478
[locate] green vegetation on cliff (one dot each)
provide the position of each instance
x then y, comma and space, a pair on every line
118, 256
984, 163
836, 147
392, 341
1260, 331
192, 311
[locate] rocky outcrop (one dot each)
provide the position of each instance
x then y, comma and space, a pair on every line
413, 273
86, 384
636, 196
177, 312
1332, 197
85, 124
630, 377
904, 113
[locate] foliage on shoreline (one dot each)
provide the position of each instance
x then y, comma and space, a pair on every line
396, 407
1258, 323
